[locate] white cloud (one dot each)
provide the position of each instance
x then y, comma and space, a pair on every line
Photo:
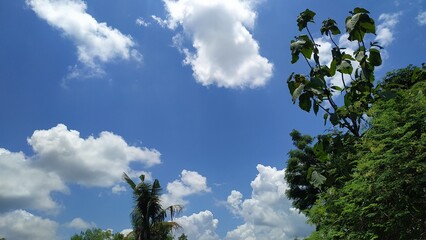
225, 52
80, 224
160, 21
117, 189
23, 185
386, 27
268, 214
201, 226
23, 225
421, 18
190, 183
96, 42
91, 162
141, 22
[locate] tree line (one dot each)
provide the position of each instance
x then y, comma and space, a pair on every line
366, 177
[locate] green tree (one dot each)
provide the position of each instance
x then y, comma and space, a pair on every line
148, 216
366, 178
302, 159
97, 234
183, 237
385, 199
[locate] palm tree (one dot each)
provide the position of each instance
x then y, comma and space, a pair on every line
148, 216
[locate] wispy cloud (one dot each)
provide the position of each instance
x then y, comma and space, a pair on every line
226, 53
421, 18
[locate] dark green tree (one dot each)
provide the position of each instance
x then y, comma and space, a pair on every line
148, 216
302, 159
183, 237
97, 234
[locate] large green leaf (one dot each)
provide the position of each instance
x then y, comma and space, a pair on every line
329, 26
305, 102
375, 57
305, 17
345, 67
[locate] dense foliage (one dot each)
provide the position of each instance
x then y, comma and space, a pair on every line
97, 234
359, 182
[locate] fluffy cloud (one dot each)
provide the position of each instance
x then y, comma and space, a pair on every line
62, 156
91, 162
23, 185
200, 226
225, 52
268, 214
80, 224
23, 225
421, 18
96, 42
190, 183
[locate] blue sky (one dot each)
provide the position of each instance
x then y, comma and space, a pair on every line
190, 92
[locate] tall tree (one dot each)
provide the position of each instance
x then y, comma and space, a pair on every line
148, 215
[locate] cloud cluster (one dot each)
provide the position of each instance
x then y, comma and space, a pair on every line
200, 225
225, 52
190, 183
22, 225
96, 42
268, 214
90, 162
61, 157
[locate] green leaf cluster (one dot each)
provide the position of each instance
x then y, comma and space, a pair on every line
97, 234
312, 90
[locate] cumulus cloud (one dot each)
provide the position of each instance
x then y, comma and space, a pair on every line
141, 22
189, 183
268, 214
96, 42
80, 224
421, 18
23, 225
200, 226
226, 53
23, 185
92, 161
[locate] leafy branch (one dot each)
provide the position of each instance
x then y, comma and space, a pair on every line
313, 90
